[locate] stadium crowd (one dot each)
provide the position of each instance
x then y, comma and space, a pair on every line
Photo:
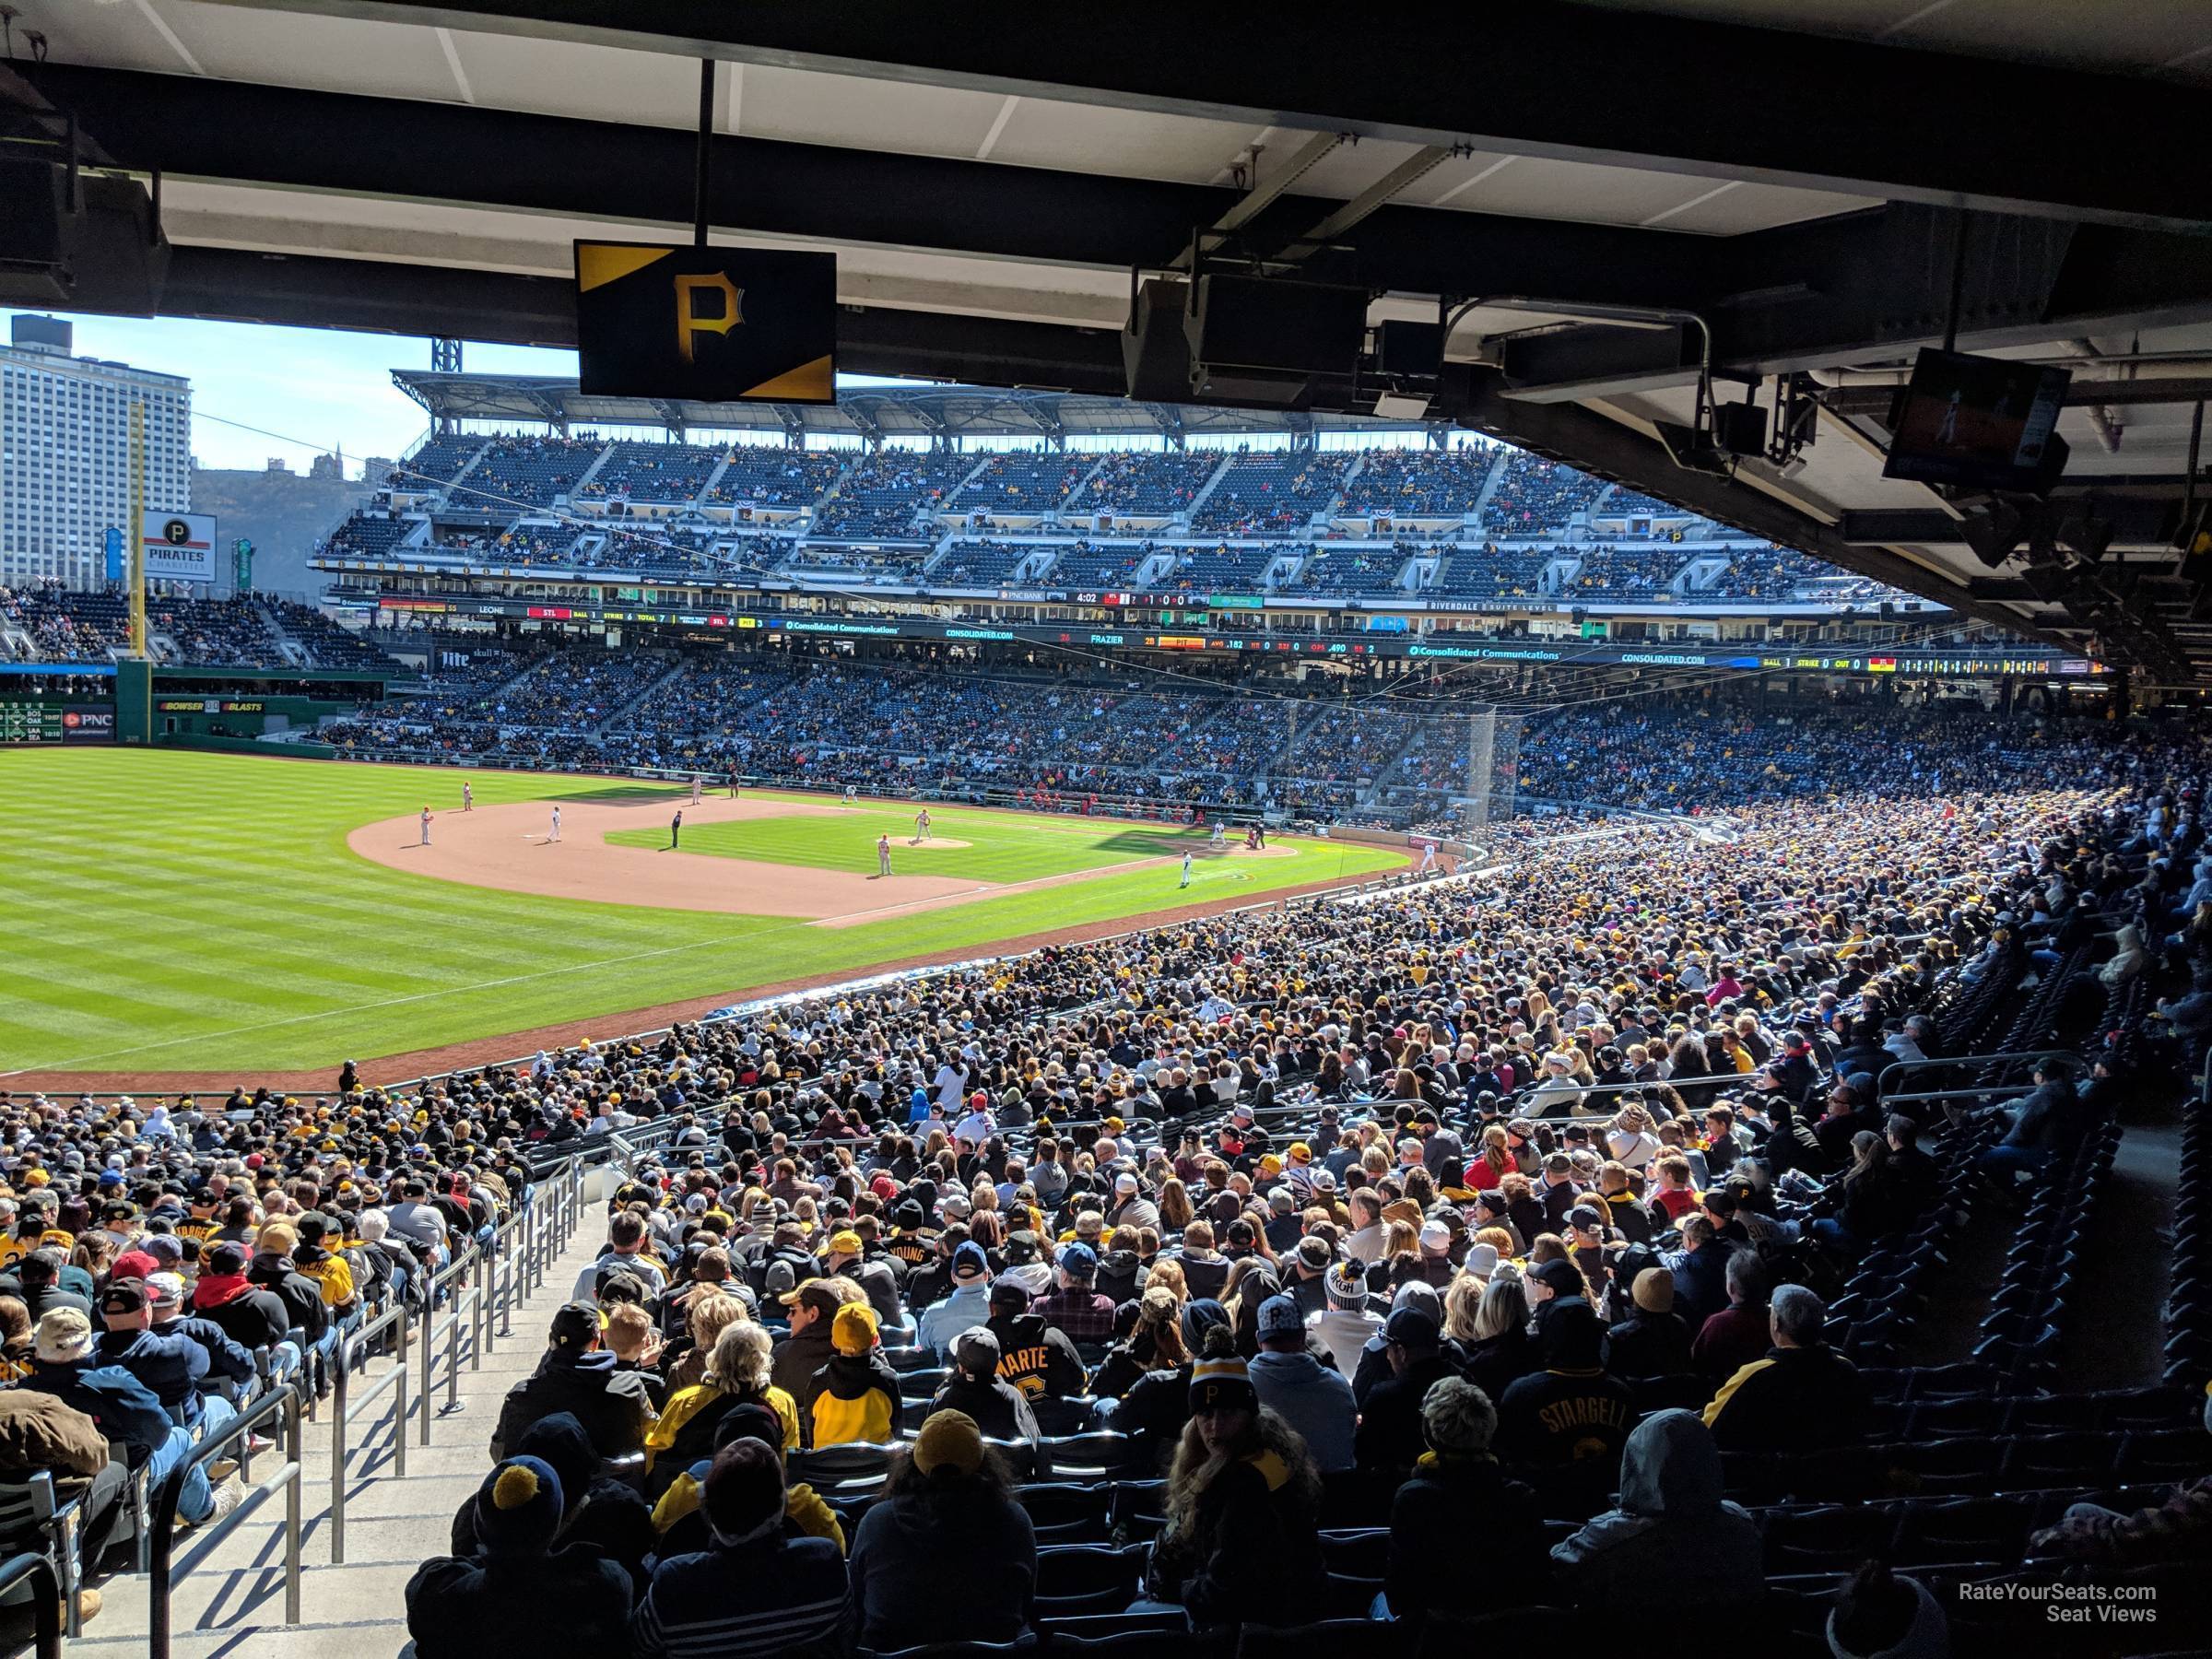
1501, 1217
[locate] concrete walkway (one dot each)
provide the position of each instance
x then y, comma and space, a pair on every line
233, 1606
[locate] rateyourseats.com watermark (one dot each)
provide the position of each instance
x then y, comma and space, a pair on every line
2074, 1604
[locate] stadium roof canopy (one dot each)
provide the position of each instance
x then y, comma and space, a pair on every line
868, 412
1788, 176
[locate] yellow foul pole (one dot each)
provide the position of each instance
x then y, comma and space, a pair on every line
137, 531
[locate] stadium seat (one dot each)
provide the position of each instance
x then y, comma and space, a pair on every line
1074, 1579
1068, 1512
841, 1471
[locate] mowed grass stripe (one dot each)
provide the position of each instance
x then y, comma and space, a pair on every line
1003, 847
178, 911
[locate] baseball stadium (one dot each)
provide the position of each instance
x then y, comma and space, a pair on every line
1011, 836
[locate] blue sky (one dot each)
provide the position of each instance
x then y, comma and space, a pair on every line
320, 388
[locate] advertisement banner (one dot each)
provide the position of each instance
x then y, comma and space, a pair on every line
180, 547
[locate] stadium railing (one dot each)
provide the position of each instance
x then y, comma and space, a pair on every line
2007, 1059
465, 1309
169, 1570
45, 1598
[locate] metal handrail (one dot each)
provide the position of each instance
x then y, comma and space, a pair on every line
526, 1242
45, 1598
168, 1571
344, 1409
1881, 1083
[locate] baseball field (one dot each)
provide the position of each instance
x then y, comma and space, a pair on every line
171, 919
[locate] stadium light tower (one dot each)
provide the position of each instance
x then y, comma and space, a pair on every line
445, 358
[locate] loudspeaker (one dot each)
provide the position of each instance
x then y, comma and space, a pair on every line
1740, 428
1155, 357
1272, 324
1888, 611
1579, 614
101, 252
1409, 350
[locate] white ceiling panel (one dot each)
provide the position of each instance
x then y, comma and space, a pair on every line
335, 54
1538, 188
591, 83
1748, 207
854, 113
2170, 38
1091, 138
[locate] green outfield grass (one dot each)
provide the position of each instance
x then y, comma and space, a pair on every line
165, 911
1003, 846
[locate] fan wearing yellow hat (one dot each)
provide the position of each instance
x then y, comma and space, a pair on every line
856, 1394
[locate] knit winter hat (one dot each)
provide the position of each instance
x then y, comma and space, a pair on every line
1654, 1290
949, 1439
518, 1507
853, 1331
743, 1497
1199, 1315
1222, 1385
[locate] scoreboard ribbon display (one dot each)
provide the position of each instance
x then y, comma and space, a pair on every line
706, 324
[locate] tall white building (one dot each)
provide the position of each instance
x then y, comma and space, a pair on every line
65, 452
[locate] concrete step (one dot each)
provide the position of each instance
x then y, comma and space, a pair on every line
233, 1606
370, 1639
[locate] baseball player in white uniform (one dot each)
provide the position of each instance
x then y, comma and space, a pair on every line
921, 825
425, 826
468, 798
883, 854
699, 786
1428, 858
1186, 871
555, 823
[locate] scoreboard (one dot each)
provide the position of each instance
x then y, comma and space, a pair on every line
22, 720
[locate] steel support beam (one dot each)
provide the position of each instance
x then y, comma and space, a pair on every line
1803, 296
1914, 125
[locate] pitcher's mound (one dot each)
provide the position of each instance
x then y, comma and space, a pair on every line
933, 843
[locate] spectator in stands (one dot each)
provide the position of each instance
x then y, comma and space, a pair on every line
1154, 1344
975, 1392
1289, 1382
1346, 1325
855, 1396
249, 1315
1073, 1306
1389, 1435
231, 1369
1699, 1269
1158, 1403
1239, 1545
139, 1432
737, 1374
1739, 1334
1673, 1527
625, 1250
1563, 1427
1461, 1505
1804, 1396
40, 1433
577, 1375
800, 1356
2175, 1530
1653, 1341
1880, 1614
521, 1596
757, 1589
1036, 1358
970, 1304
1500, 1350
948, 1492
